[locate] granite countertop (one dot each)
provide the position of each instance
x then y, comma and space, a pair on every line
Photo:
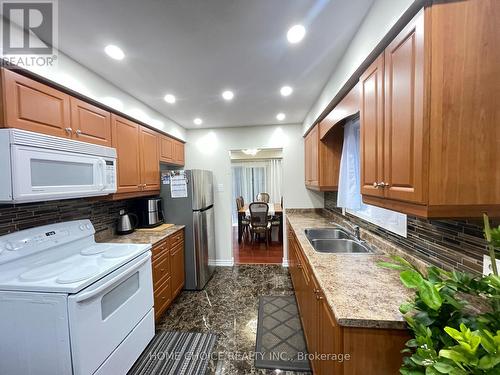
142, 236
360, 293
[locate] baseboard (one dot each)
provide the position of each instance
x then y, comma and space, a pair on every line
222, 262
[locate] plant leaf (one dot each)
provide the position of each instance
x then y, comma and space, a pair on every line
411, 279
430, 295
391, 266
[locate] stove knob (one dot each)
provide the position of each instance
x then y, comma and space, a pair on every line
82, 227
87, 226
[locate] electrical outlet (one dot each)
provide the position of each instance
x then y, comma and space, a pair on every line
487, 265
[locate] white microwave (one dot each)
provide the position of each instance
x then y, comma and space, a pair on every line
38, 167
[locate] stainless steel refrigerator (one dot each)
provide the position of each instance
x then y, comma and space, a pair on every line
191, 202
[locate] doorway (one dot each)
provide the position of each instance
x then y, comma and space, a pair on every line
257, 175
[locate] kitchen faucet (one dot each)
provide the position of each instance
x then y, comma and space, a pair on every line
354, 228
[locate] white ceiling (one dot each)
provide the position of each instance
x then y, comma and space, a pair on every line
195, 49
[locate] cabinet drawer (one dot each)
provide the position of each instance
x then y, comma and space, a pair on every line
162, 298
161, 268
176, 238
159, 248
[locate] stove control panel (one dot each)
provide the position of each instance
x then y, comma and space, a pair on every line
30, 241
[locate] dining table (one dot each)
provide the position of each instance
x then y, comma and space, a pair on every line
275, 209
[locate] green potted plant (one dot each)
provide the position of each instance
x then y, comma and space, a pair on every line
454, 317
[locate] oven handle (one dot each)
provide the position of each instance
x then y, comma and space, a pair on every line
92, 293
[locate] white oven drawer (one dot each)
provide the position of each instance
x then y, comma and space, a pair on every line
102, 315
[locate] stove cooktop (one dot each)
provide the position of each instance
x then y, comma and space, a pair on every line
67, 262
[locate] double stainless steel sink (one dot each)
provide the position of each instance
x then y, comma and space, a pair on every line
336, 241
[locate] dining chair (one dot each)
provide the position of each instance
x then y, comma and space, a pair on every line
245, 221
262, 197
259, 221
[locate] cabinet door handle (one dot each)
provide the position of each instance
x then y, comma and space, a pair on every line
377, 185
318, 297
69, 130
299, 265
316, 290
78, 132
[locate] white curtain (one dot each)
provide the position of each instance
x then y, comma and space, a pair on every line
254, 177
274, 177
349, 193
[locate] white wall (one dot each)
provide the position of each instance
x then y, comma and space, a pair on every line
69, 73
381, 17
209, 149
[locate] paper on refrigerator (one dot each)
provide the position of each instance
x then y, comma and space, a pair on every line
178, 186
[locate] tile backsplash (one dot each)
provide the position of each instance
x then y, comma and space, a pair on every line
103, 214
450, 244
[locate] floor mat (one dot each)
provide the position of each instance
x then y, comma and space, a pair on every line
179, 353
280, 338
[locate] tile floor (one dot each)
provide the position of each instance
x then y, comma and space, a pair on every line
228, 307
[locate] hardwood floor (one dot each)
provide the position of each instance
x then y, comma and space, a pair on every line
245, 253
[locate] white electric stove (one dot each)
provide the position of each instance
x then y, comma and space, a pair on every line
69, 305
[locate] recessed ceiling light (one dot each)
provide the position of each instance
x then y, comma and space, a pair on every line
286, 90
228, 95
114, 52
296, 34
198, 121
169, 98
280, 116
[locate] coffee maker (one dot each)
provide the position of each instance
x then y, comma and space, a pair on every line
150, 212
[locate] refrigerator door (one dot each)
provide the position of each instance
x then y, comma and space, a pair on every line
204, 245
201, 188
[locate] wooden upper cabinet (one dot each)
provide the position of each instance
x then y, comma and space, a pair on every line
441, 138
125, 138
372, 128
178, 153
307, 160
404, 128
347, 107
90, 123
166, 149
313, 151
150, 161
464, 110
322, 158
171, 151
33, 106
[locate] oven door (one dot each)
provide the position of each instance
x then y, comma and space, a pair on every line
41, 174
102, 315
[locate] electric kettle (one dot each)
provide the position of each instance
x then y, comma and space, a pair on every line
125, 224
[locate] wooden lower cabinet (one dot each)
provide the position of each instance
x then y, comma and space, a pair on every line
335, 349
168, 271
